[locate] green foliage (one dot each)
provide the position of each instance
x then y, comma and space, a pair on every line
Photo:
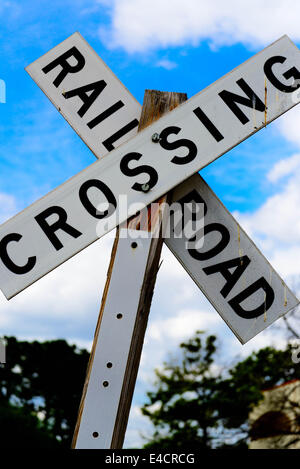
20, 429
44, 379
193, 407
183, 406
261, 370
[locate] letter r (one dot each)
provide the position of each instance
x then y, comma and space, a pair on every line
67, 68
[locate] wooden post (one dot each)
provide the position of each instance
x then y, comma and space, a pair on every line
126, 302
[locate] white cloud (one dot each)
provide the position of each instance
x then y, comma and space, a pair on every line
279, 215
284, 168
271, 337
167, 64
182, 324
289, 124
142, 25
287, 261
133, 437
276, 224
173, 326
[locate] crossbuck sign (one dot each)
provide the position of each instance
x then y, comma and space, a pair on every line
228, 268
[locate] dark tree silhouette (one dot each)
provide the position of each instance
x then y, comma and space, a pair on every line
44, 380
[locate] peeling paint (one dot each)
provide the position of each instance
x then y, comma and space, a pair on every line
266, 106
239, 244
285, 297
254, 113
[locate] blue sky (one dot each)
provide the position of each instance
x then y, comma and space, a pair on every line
148, 45
33, 128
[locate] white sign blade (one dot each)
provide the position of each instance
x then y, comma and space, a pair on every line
196, 133
91, 72
88, 94
230, 270
100, 406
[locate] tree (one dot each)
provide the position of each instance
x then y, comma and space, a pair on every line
194, 407
21, 429
44, 380
183, 406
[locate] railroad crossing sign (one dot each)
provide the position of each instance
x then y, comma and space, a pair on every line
229, 269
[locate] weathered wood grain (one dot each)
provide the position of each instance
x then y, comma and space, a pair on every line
156, 103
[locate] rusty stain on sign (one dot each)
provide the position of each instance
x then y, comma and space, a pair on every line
266, 96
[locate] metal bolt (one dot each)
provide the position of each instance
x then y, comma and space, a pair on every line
145, 187
155, 138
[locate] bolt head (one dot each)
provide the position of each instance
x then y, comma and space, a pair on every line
145, 187
155, 138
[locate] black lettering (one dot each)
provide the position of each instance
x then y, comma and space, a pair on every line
235, 302
7, 261
291, 73
183, 142
252, 101
208, 124
60, 224
105, 114
225, 238
90, 208
87, 93
66, 67
108, 143
153, 176
193, 198
240, 264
